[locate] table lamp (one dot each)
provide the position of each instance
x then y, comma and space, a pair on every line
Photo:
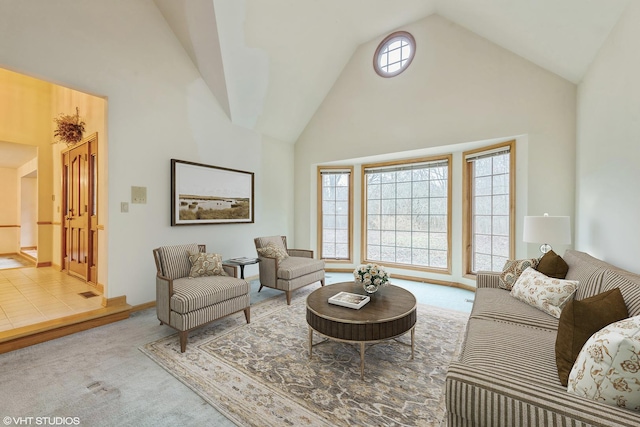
546, 229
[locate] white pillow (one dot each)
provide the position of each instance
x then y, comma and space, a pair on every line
542, 292
608, 366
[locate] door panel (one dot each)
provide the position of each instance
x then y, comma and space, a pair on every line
80, 209
77, 211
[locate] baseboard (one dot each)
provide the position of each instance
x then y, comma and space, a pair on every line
339, 270
98, 286
414, 279
34, 334
43, 264
144, 306
437, 282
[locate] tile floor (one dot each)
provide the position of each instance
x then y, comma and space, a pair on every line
33, 295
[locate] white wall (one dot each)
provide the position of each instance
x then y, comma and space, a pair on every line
460, 88
158, 108
608, 149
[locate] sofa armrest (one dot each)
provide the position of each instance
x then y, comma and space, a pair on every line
487, 279
231, 270
304, 253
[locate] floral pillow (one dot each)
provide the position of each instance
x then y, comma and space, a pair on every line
512, 269
273, 251
608, 367
542, 292
203, 264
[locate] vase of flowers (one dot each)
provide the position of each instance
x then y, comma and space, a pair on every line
372, 276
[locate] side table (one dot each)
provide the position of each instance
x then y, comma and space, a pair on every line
241, 262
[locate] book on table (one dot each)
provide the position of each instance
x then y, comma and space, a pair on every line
347, 299
243, 259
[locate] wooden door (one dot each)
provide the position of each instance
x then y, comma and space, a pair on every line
80, 210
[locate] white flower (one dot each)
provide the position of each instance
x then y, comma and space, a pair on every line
371, 274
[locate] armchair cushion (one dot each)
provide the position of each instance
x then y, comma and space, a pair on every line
293, 267
175, 260
273, 250
204, 264
191, 294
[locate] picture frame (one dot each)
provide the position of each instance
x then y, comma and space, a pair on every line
206, 194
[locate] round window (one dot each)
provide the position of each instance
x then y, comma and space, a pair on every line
394, 54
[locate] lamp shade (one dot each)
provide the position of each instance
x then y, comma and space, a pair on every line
547, 229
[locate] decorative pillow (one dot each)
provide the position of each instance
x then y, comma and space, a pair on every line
581, 319
608, 367
203, 264
552, 265
512, 269
542, 292
273, 251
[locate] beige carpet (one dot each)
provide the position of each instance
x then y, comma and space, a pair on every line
260, 374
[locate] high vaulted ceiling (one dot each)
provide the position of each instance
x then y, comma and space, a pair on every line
270, 63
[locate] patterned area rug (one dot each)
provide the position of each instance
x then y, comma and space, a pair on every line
260, 374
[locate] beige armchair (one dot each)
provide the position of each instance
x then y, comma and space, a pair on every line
286, 269
185, 303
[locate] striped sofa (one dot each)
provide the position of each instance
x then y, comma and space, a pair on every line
185, 303
506, 375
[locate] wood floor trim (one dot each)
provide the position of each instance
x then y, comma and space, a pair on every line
40, 332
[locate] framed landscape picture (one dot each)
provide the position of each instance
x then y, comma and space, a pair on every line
204, 194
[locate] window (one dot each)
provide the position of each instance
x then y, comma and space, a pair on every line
406, 213
334, 205
489, 207
394, 54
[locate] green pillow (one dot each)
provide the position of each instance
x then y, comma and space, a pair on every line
581, 319
552, 265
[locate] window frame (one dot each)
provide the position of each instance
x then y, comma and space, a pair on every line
320, 213
364, 203
382, 45
467, 203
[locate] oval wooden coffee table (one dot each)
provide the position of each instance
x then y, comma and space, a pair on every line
390, 313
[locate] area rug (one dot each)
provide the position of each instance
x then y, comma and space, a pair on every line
260, 374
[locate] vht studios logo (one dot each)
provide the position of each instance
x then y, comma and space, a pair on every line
41, 421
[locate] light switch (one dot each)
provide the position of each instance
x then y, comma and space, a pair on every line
139, 195
124, 207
